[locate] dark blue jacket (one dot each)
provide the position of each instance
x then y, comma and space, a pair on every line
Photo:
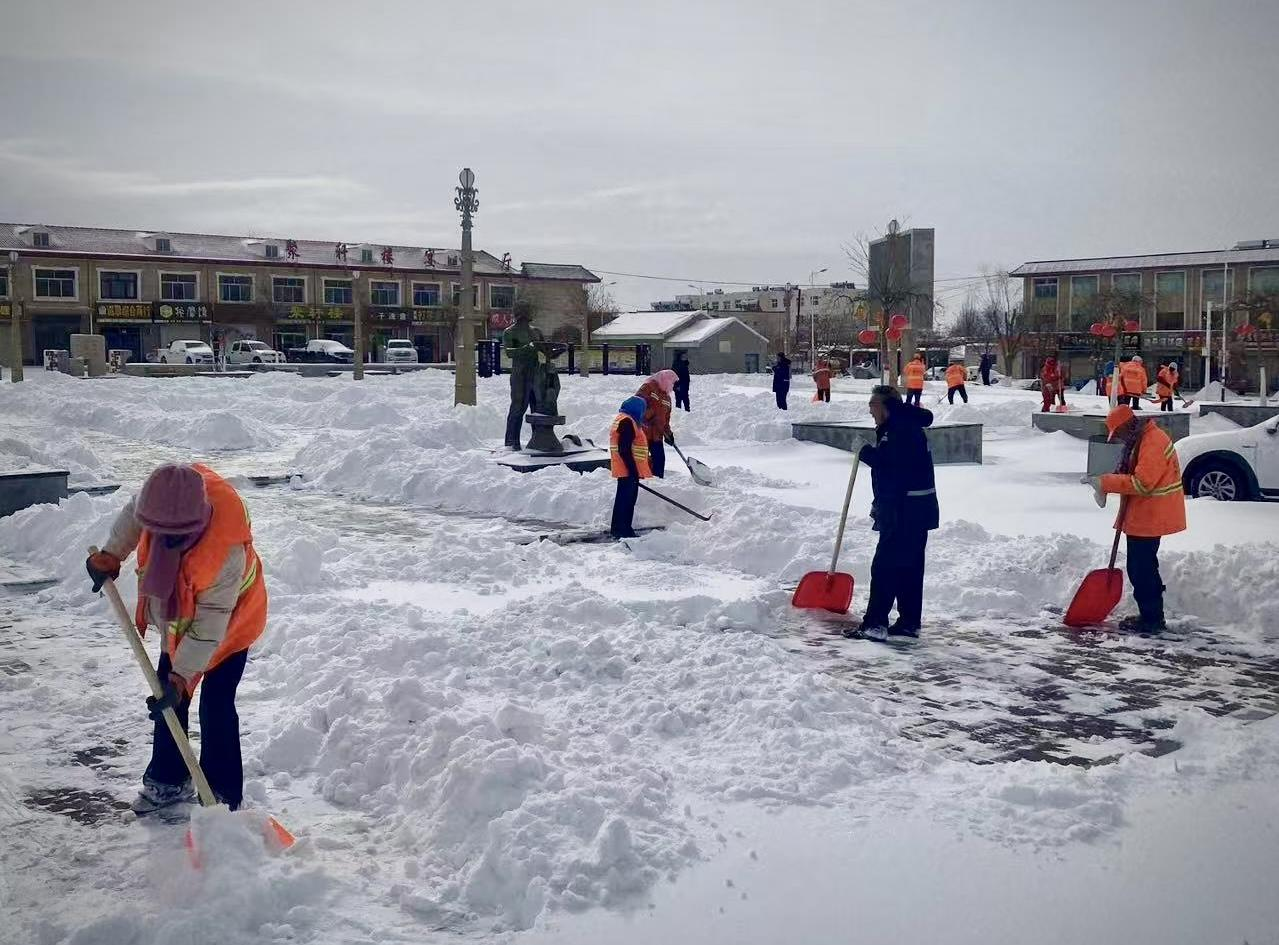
901, 463
781, 372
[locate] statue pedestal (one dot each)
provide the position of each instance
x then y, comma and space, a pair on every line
544, 439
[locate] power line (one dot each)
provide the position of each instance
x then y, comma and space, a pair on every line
753, 282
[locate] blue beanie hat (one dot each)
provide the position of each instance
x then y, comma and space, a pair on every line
633, 407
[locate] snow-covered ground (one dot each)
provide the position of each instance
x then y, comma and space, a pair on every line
480, 734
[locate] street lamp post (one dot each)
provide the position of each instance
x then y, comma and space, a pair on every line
15, 320
357, 300
812, 317
467, 202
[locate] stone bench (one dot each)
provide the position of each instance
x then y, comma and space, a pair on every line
24, 488
1246, 415
1084, 426
951, 443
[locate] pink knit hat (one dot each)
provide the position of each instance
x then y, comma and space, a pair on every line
666, 380
173, 501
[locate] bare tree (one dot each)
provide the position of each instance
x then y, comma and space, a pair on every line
884, 269
972, 323
1005, 316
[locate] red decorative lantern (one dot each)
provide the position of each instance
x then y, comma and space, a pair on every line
868, 336
899, 322
1132, 325
894, 333
1108, 331
1095, 329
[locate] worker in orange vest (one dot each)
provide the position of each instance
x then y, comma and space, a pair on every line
1049, 382
956, 379
200, 579
914, 374
1133, 382
1168, 379
821, 377
628, 458
1148, 477
656, 394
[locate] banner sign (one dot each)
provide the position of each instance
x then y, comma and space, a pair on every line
182, 312
316, 313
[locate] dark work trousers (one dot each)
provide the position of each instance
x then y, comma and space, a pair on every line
624, 508
1165, 405
219, 733
1048, 397
962, 390
823, 394
521, 397
657, 457
1143, 572
681, 396
1132, 400
897, 575
913, 396
985, 378
781, 393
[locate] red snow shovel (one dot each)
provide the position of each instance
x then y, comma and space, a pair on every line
830, 590
276, 831
1102, 589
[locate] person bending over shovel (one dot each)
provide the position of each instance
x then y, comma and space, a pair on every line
198, 577
904, 510
1154, 505
656, 394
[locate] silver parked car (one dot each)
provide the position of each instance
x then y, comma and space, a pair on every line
400, 351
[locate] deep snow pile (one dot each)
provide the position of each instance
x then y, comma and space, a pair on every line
555, 750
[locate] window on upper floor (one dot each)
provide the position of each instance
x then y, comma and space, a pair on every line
1046, 288
426, 294
4, 283
501, 297
178, 286
1083, 290
457, 296
288, 290
40, 239
272, 251
1170, 301
1263, 280
163, 244
118, 286
366, 255
337, 291
235, 288
56, 283
384, 293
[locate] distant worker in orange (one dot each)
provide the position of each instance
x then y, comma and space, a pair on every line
1148, 478
1166, 387
200, 582
1049, 382
656, 394
1133, 382
628, 454
821, 377
956, 379
914, 376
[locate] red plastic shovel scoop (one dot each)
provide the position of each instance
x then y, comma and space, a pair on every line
1102, 589
830, 590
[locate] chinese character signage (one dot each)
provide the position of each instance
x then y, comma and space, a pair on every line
316, 313
501, 320
399, 316
139, 312
181, 312
5, 311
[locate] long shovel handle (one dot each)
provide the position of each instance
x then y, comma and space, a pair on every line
170, 718
843, 516
666, 498
1119, 530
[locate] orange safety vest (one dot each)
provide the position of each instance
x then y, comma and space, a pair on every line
914, 372
1132, 379
657, 410
1168, 379
821, 375
639, 449
229, 526
1156, 503
956, 375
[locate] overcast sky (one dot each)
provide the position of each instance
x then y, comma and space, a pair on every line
699, 140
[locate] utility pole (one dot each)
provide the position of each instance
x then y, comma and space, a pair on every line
1208, 347
812, 316
357, 299
467, 202
15, 320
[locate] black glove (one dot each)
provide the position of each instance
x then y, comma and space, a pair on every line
670, 438
865, 453
172, 699
102, 565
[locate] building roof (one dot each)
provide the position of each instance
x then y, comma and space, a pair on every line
656, 325
1216, 257
139, 244
698, 332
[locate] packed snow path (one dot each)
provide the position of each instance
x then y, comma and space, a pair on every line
475, 731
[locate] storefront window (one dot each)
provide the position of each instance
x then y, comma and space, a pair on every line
1210, 282
1129, 283
1170, 301
1264, 280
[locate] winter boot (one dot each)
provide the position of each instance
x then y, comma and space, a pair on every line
155, 796
868, 631
899, 629
1142, 625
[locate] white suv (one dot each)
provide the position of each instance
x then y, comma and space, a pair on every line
400, 351
252, 352
1232, 465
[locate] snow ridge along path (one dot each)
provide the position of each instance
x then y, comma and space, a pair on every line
476, 733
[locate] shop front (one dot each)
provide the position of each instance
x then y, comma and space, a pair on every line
296, 325
127, 326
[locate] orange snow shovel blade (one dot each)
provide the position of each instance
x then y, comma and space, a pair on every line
825, 590
1097, 596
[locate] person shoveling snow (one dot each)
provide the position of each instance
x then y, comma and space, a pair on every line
199, 577
628, 450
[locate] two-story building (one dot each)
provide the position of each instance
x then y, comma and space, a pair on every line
144, 289
1170, 294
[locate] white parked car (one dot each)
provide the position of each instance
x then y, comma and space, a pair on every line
253, 352
1232, 465
400, 351
186, 352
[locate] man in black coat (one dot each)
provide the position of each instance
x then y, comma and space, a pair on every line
904, 511
984, 369
781, 380
681, 369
